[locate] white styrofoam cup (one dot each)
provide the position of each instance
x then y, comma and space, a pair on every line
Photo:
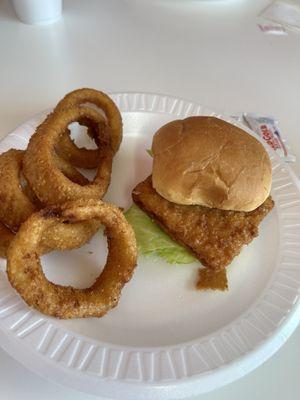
38, 11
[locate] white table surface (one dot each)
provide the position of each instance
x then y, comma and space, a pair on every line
211, 52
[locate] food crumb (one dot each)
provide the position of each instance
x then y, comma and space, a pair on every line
211, 279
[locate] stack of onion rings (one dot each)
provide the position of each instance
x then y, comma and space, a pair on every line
45, 175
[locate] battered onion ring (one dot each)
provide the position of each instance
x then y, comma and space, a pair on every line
49, 184
61, 237
66, 168
68, 236
18, 203
69, 171
26, 275
82, 157
6, 237
15, 207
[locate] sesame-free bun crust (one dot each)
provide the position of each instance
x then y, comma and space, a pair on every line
210, 162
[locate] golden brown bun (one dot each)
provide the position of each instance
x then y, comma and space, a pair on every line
207, 161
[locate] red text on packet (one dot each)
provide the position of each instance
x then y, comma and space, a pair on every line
268, 136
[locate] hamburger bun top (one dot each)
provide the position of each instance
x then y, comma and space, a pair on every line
210, 162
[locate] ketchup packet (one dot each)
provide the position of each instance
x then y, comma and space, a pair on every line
272, 29
267, 128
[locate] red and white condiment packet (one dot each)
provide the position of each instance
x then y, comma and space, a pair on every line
272, 29
267, 128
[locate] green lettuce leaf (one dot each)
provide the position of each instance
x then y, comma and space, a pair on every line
152, 241
149, 151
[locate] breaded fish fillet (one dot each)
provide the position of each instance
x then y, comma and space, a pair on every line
214, 236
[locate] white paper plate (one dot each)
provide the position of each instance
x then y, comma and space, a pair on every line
165, 340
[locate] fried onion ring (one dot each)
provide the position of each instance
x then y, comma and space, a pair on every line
69, 171
25, 272
6, 237
61, 237
82, 157
18, 203
16, 207
68, 236
49, 184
